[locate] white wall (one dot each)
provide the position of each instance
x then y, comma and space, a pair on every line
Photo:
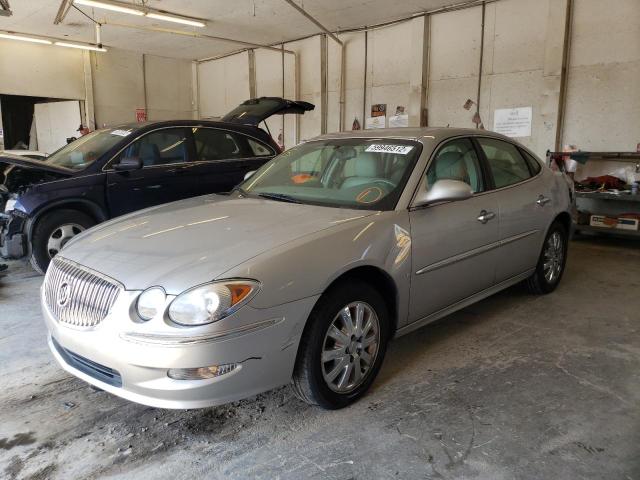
41, 71
603, 97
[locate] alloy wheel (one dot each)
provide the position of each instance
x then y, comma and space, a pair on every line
60, 236
553, 257
350, 347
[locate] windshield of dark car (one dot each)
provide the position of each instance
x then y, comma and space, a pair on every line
363, 173
82, 152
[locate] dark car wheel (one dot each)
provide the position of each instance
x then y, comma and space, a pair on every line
552, 261
52, 232
343, 346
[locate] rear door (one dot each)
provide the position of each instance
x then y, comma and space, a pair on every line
222, 157
164, 176
525, 210
453, 244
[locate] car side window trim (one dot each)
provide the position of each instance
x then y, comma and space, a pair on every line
107, 167
434, 154
232, 159
484, 159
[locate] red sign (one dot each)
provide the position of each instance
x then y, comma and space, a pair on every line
141, 115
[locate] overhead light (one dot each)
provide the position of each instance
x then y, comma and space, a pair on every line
114, 7
22, 38
172, 18
122, 7
94, 48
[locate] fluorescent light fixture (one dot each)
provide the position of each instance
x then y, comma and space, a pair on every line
12, 36
175, 19
81, 46
114, 7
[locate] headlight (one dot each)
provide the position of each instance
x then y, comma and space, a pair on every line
212, 302
11, 203
150, 302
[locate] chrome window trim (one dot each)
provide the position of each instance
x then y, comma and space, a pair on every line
412, 205
105, 168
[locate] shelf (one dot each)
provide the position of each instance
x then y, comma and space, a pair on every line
610, 231
623, 197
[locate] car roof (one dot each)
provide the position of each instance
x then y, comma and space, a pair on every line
413, 133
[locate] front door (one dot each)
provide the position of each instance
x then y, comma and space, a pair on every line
453, 244
164, 176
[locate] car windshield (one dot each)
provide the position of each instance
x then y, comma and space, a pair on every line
357, 173
82, 152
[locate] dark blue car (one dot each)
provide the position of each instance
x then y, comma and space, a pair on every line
118, 170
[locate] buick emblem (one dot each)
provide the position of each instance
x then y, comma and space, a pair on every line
64, 294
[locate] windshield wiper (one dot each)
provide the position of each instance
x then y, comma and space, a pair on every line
281, 197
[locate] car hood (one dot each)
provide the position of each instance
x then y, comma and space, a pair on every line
193, 241
26, 162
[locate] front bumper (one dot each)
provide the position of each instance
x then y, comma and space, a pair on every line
13, 239
135, 367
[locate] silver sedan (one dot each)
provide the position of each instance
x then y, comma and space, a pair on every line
307, 270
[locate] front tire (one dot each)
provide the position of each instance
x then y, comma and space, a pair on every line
52, 232
343, 346
552, 261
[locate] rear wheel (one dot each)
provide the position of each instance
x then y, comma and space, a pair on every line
52, 232
343, 346
552, 261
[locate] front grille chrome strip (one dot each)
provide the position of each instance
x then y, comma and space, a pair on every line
78, 296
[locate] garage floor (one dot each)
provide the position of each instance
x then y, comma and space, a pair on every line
513, 387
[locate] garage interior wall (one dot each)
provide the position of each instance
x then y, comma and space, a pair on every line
433, 62
114, 84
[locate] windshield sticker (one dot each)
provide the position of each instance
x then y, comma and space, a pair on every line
121, 133
380, 148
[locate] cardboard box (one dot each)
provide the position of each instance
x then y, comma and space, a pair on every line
614, 223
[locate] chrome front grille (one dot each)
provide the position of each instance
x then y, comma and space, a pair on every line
76, 295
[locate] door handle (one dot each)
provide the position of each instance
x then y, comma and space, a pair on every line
542, 200
485, 216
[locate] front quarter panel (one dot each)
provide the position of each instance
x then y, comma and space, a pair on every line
308, 265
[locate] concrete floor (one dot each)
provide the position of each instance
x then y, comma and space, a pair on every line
515, 387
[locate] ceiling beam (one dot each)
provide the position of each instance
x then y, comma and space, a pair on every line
194, 35
5, 9
65, 5
303, 12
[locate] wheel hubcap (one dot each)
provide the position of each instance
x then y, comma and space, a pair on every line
553, 257
350, 347
61, 236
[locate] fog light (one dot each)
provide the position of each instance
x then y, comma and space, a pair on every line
202, 372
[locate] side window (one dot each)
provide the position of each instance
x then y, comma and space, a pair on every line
162, 147
456, 160
215, 144
505, 162
259, 149
534, 163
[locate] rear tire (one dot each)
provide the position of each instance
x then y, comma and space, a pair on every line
337, 363
552, 261
52, 232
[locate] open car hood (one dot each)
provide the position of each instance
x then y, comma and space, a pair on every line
26, 162
256, 110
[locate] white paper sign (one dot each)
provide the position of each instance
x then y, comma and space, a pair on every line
513, 122
376, 122
386, 148
399, 121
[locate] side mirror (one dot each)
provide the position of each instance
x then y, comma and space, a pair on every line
444, 191
128, 164
248, 175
